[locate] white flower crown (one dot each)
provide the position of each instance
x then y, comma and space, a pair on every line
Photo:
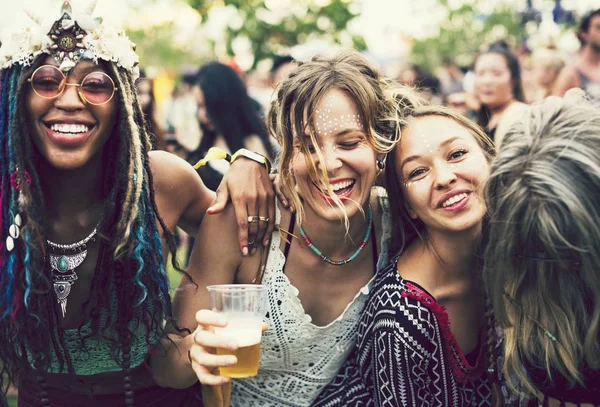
69, 39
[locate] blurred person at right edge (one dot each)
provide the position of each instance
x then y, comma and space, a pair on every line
499, 89
228, 119
542, 263
585, 72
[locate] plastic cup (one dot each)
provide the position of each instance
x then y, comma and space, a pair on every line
243, 305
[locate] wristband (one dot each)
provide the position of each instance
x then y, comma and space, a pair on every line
216, 153
251, 155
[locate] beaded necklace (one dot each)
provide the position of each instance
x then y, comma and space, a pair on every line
354, 255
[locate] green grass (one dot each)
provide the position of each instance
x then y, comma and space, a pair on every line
12, 401
174, 275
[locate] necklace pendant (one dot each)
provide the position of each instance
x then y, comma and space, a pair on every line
62, 289
63, 276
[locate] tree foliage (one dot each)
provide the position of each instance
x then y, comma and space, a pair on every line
304, 21
464, 33
155, 47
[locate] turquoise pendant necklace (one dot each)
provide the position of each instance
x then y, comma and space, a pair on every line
354, 255
64, 259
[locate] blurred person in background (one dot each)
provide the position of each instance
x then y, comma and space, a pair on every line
585, 72
183, 132
427, 84
144, 87
282, 66
499, 90
546, 66
451, 78
228, 118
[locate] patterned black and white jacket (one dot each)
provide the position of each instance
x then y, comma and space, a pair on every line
406, 354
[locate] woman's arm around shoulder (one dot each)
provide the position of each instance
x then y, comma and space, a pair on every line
179, 190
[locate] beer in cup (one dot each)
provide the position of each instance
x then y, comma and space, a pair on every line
243, 305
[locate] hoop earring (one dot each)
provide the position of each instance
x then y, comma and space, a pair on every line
380, 166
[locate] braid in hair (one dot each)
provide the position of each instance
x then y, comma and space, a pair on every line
27, 311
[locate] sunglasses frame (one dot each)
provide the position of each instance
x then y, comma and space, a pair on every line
78, 85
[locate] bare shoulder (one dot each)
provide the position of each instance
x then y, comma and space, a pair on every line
170, 170
567, 79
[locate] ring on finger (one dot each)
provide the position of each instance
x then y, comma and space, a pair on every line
253, 219
264, 218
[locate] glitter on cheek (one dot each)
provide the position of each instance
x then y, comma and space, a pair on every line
417, 182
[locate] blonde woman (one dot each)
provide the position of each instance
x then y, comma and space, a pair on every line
335, 120
543, 259
425, 338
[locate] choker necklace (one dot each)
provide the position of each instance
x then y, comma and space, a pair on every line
64, 259
354, 255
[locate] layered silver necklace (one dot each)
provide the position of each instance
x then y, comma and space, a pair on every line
64, 259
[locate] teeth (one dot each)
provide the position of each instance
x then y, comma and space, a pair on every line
70, 128
341, 185
454, 199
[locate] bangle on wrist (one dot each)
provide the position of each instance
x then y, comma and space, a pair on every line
251, 155
216, 153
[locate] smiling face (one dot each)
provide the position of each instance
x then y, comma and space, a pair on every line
443, 170
66, 130
493, 81
347, 157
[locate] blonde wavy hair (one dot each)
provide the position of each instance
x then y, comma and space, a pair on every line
380, 103
543, 255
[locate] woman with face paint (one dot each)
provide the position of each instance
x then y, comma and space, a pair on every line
87, 214
425, 337
335, 120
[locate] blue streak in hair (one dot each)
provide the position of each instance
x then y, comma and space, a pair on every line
140, 248
27, 266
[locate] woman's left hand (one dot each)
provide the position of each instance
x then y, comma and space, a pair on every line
253, 199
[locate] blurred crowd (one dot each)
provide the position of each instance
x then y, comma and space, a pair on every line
218, 104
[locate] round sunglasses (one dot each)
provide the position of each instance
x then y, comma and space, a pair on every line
49, 82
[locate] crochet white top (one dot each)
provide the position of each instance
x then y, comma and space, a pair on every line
297, 358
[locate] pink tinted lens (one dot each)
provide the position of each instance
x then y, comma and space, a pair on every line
97, 88
48, 81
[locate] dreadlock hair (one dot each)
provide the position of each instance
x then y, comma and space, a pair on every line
130, 247
380, 103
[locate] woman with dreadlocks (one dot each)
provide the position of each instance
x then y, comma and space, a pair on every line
86, 216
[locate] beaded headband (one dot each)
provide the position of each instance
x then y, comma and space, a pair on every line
74, 36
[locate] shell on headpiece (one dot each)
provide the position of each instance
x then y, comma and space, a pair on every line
66, 8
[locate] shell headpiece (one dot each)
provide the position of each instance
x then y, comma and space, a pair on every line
70, 38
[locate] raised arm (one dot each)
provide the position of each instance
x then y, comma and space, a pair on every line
215, 260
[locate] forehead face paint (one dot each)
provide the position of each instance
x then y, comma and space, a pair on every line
330, 118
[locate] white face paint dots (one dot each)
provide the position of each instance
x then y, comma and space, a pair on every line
327, 121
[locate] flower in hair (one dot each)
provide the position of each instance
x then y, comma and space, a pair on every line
72, 37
